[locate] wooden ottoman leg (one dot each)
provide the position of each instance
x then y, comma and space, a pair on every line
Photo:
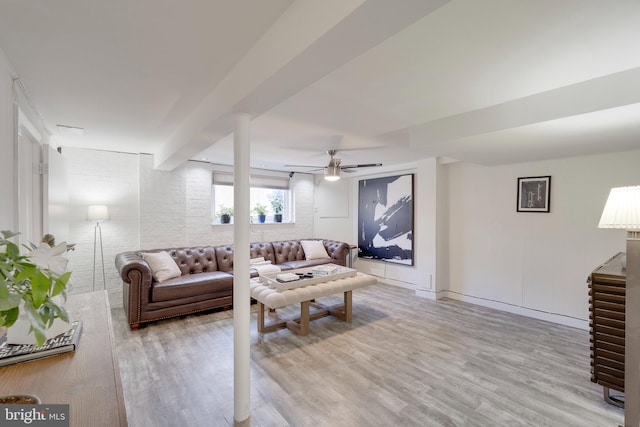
343, 312
260, 317
301, 327
347, 306
273, 326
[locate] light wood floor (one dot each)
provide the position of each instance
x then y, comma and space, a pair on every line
404, 361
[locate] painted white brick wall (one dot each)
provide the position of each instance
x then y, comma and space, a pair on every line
162, 206
198, 208
154, 209
190, 204
101, 177
304, 185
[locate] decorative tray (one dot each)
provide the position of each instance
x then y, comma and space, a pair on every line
306, 277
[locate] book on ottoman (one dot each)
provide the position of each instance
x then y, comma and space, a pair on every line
324, 270
287, 277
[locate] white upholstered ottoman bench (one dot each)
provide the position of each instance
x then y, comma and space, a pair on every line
274, 298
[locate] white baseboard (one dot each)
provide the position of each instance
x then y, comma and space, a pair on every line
426, 293
497, 305
523, 311
392, 282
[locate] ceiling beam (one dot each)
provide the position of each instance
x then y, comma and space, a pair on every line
602, 93
305, 44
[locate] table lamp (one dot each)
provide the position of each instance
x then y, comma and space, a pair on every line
622, 211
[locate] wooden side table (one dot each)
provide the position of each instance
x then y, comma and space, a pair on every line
87, 379
607, 288
351, 256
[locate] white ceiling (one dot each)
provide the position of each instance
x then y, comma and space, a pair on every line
490, 82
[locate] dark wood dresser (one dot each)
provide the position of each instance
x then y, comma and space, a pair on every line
607, 285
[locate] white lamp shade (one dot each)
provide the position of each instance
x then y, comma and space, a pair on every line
332, 173
622, 209
98, 213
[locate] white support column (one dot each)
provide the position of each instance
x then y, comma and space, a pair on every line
241, 294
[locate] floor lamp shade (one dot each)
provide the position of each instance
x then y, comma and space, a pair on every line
622, 209
98, 213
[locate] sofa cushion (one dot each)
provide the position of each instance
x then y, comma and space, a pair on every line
162, 266
262, 249
224, 256
214, 282
288, 250
199, 259
313, 249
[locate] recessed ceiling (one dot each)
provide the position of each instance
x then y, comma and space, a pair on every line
489, 82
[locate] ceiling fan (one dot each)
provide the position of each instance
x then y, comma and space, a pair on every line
335, 166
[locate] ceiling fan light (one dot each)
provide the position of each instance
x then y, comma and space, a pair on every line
332, 173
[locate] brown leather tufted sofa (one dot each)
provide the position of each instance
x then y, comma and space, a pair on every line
207, 277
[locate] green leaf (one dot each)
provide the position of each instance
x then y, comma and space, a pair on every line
37, 323
62, 314
61, 284
40, 337
51, 310
26, 273
13, 251
6, 272
9, 302
7, 234
40, 284
4, 291
9, 317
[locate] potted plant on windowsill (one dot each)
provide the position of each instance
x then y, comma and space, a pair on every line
225, 214
261, 211
32, 290
277, 206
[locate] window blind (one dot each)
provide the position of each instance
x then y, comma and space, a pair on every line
256, 181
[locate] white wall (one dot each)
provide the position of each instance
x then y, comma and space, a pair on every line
333, 210
533, 263
101, 178
56, 214
16, 111
7, 132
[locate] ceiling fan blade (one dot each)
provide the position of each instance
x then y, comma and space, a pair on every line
303, 166
366, 165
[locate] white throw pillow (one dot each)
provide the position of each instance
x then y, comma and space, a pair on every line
314, 249
163, 267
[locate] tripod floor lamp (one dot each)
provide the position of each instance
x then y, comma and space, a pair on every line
98, 214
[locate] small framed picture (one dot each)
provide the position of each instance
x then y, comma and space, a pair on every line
534, 194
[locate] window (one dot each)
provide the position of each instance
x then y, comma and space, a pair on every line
270, 198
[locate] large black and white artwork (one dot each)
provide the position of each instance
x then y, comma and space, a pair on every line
385, 219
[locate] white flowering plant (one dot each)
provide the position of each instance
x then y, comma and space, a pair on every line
35, 282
